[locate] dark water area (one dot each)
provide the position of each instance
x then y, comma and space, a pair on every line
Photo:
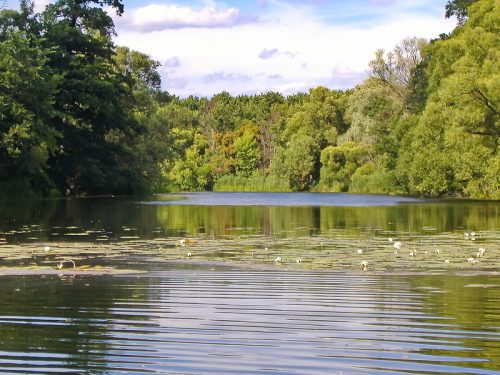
219, 214
220, 320
222, 302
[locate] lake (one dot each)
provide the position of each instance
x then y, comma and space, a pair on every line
230, 283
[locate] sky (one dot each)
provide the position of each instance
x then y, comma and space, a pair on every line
253, 46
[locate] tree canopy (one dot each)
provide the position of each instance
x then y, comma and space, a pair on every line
80, 115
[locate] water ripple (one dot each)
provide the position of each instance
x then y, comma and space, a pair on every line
203, 321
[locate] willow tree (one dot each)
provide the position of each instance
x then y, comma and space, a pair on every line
454, 148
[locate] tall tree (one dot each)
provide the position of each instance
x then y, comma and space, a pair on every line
90, 97
395, 68
139, 68
458, 8
27, 88
454, 148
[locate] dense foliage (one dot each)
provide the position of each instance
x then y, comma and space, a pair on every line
79, 115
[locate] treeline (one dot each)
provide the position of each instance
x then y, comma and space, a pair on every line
79, 115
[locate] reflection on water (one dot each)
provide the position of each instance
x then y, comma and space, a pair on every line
232, 321
191, 318
430, 218
433, 234
125, 217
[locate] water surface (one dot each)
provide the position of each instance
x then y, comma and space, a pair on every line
222, 290
220, 320
281, 199
220, 214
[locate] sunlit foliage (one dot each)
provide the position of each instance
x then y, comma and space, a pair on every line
82, 116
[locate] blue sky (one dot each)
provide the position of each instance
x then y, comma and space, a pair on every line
251, 46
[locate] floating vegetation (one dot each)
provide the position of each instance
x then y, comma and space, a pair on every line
83, 270
336, 249
77, 234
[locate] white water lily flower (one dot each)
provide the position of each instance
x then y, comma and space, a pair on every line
364, 265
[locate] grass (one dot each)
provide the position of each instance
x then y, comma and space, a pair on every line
254, 183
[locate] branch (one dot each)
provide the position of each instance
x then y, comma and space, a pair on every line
479, 95
484, 133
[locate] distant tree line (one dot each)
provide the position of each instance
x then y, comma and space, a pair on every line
80, 116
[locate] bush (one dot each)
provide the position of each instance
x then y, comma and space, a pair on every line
367, 179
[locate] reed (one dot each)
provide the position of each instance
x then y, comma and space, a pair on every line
254, 183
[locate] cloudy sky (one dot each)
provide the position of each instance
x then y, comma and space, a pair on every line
251, 46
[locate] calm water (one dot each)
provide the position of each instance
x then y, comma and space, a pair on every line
219, 214
280, 199
199, 317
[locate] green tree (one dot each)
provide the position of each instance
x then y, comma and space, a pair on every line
218, 117
458, 8
27, 88
395, 69
90, 100
192, 172
296, 163
247, 152
454, 148
372, 109
339, 163
318, 117
141, 74
139, 68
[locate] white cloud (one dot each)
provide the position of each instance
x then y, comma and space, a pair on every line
336, 56
156, 17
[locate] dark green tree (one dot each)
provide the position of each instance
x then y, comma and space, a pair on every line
27, 89
458, 8
91, 102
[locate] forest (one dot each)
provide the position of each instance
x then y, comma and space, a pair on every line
81, 116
